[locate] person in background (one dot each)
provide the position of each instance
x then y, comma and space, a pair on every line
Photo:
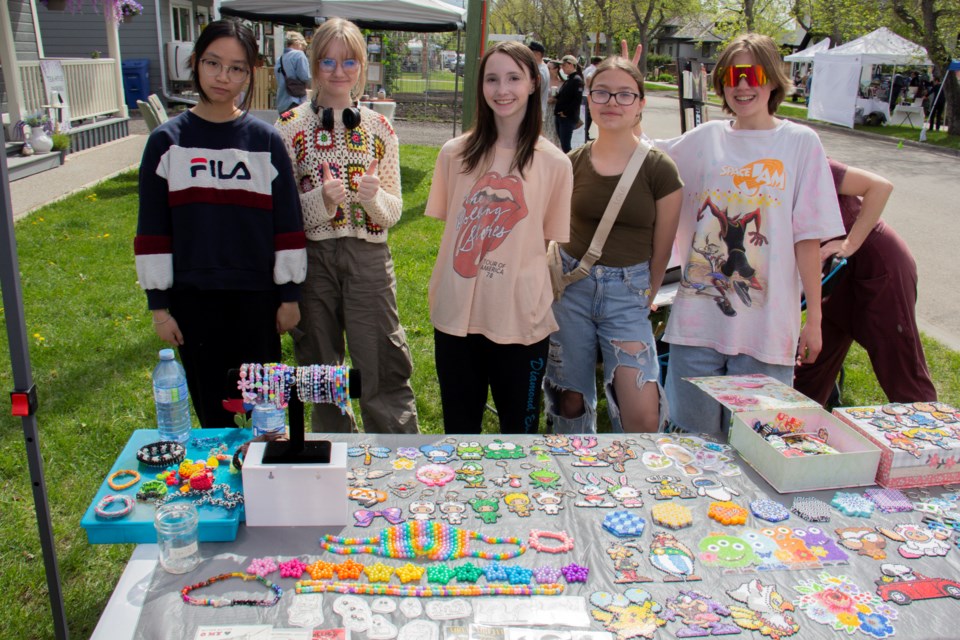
347, 164
220, 254
758, 198
938, 102
503, 192
609, 309
549, 120
569, 98
874, 302
587, 74
538, 52
292, 64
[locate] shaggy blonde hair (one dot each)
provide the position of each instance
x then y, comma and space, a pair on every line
765, 53
347, 33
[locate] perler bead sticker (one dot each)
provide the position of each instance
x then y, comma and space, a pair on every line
764, 610
630, 615
837, 602
672, 515
852, 504
673, 558
769, 510
918, 541
624, 524
811, 509
728, 513
889, 500
699, 615
902, 585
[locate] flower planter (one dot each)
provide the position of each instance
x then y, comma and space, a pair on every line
40, 141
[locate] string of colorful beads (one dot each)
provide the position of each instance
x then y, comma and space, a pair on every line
227, 602
432, 540
273, 383
467, 591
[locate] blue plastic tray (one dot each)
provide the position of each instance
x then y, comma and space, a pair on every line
216, 524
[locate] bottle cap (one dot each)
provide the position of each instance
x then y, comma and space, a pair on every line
166, 354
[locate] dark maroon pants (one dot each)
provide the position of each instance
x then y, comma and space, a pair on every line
873, 304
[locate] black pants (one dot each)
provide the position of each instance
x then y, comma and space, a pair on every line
565, 127
466, 367
222, 330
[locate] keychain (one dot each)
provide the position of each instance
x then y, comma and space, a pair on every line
487, 509
617, 454
542, 477
471, 473
451, 509
512, 480
517, 502
551, 502
423, 508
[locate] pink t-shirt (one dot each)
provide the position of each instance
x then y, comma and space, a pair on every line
491, 273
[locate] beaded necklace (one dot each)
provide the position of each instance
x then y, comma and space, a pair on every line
422, 539
227, 602
230, 500
396, 590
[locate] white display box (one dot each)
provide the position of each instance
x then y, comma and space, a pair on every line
295, 495
759, 397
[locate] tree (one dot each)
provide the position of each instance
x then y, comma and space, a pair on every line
840, 20
938, 22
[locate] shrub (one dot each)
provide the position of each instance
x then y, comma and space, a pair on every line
61, 141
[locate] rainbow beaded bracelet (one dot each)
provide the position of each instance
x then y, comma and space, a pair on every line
395, 590
227, 602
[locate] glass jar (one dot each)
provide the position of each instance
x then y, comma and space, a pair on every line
178, 536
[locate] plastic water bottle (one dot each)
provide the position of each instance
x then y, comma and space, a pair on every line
172, 398
268, 419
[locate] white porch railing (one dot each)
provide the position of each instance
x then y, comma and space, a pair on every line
91, 87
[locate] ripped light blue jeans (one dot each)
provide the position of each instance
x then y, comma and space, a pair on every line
605, 310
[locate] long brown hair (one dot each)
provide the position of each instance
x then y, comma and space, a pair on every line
481, 140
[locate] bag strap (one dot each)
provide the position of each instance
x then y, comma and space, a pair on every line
613, 209
282, 71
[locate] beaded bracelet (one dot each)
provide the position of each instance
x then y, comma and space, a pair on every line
134, 479
395, 590
161, 454
152, 490
101, 509
565, 546
227, 602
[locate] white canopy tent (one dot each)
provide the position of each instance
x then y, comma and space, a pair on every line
836, 81
807, 54
393, 15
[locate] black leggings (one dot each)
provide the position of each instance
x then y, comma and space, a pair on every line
467, 366
222, 330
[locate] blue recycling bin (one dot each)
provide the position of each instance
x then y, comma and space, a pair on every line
136, 81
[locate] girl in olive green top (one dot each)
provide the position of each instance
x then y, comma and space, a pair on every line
610, 309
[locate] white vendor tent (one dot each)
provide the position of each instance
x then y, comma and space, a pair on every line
807, 54
836, 81
392, 15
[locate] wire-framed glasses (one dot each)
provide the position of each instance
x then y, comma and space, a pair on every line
329, 65
213, 68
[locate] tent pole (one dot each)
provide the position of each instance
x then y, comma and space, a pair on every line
23, 383
456, 83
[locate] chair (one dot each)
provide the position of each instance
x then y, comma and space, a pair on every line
149, 115
158, 108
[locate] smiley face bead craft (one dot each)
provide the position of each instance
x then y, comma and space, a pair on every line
728, 513
427, 539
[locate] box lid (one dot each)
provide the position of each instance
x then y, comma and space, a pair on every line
752, 392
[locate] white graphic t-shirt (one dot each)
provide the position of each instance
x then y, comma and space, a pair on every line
749, 197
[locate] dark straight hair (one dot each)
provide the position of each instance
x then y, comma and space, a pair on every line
226, 28
481, 140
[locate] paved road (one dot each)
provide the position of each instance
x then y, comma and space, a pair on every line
924, 209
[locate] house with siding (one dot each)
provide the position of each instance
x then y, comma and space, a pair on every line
90, 49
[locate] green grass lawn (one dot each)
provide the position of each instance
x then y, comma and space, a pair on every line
93, 349
414, 82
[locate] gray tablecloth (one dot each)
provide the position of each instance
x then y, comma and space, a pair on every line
165, 616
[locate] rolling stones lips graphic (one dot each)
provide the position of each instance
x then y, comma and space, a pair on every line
490, 211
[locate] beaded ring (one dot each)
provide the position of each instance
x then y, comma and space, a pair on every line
565, 546
161, 454
134, 479
227, 602
101, 509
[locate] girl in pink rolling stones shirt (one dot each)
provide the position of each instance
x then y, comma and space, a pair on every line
504, 192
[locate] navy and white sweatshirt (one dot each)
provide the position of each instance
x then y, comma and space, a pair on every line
219, 210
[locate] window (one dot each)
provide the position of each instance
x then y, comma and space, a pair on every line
182, 23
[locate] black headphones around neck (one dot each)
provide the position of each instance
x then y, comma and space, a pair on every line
350, 117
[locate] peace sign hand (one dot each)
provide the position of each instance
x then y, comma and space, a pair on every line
625, 52
334, 193
369, 184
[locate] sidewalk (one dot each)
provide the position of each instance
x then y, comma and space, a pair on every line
81, 171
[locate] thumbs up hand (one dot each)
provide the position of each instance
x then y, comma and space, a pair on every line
334, 193
369, 184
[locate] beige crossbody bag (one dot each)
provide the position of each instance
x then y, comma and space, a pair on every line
558, 279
